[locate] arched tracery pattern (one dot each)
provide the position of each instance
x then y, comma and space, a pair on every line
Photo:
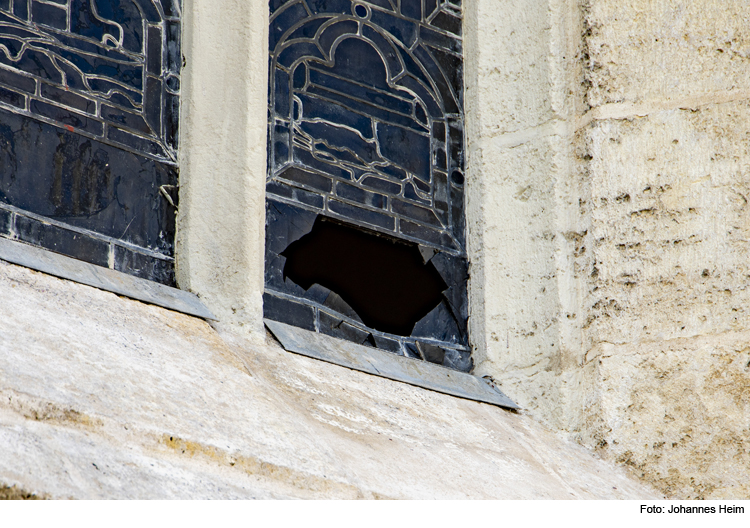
366, 129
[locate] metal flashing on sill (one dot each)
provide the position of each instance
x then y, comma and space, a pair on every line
102, 278
387, 365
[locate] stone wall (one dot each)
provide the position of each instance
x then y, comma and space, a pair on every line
667, 272
610, 170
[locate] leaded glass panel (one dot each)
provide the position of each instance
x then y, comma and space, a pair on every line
365, 193
89, 102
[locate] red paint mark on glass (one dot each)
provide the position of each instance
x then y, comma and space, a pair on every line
69, 128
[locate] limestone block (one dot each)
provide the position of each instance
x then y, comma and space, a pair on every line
513, 238
678, 414
669, 225
513, 60
522, 294
646, 50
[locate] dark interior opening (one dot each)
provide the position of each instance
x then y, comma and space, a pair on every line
384, 280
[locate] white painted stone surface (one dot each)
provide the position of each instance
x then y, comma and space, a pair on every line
220, 225
104, 397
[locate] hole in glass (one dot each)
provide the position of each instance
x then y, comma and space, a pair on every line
360, 10
384, 280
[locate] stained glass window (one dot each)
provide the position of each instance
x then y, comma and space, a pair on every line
89, 101
365, 194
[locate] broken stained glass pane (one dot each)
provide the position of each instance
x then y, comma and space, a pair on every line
365, 193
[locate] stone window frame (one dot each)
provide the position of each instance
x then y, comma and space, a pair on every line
520, 117
526, 188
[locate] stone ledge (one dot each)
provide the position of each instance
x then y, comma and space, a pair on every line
104, 396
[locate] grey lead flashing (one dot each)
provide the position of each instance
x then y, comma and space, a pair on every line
387, 365
102, 278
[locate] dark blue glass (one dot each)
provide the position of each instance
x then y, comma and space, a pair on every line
96, 84
366, 129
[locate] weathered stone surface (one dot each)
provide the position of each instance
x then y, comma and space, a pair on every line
524, 96
666, 273
515, 306
669, 225
608, 226
508, 65
223, 109
644, 51
678, 413
102, 396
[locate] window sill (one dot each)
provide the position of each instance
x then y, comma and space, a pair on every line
387, 365
102, 278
